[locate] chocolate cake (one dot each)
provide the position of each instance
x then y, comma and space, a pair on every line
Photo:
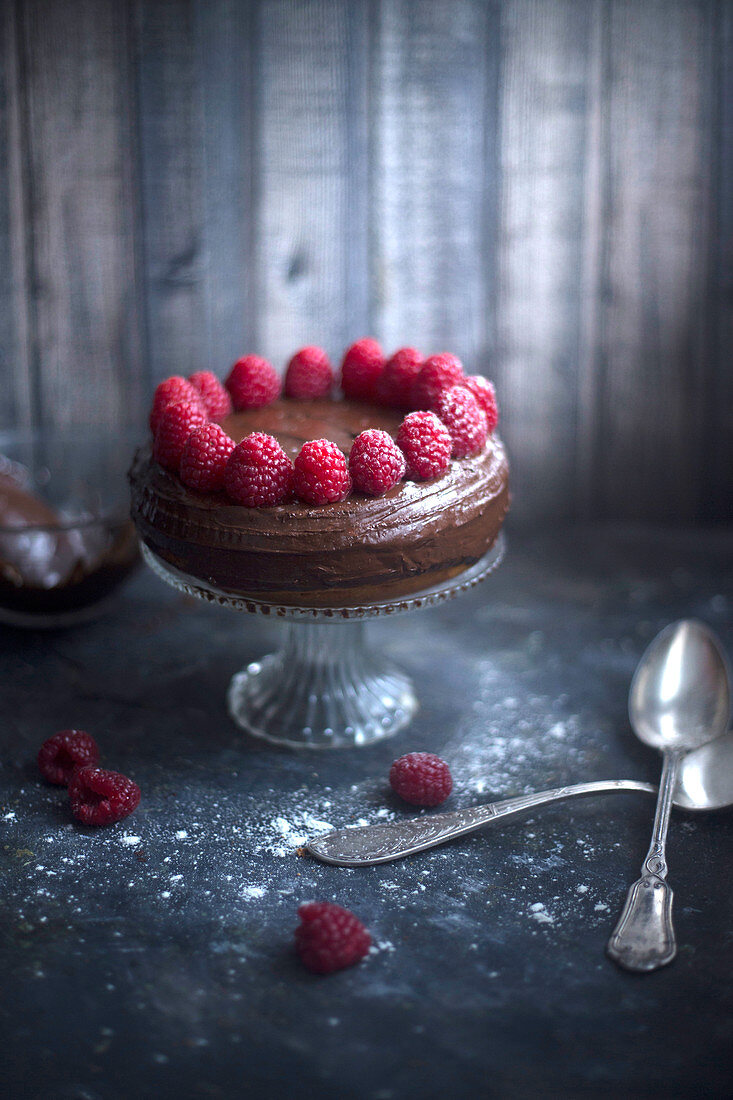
349, 553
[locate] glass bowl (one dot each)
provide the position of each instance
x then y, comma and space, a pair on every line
66, 540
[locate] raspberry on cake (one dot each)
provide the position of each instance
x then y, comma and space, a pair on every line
361, 368
436, 374
258, 472
394, 385
174, 427
426, 444
485, 394
376, 463
329, 937
62, 754
253, 382
321, 473
100, 797
170, 392
465, 420
204, 458
214, 396
421, 778
309, 375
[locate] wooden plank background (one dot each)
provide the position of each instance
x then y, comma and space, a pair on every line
543, 186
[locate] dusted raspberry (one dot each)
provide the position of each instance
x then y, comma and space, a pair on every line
171, 392
363, 364
426, 444
485, 394
99, 797
465, 420
204, 458
329, 938
174, 427
394, 385
217, 401
258, 472
64, 752
253, 382
376, 463
437, 373
421, 778
309, 375
321, 473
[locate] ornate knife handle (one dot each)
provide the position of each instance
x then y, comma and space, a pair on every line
644, 937
388, 840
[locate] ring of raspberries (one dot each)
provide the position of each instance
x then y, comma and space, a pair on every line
449, 415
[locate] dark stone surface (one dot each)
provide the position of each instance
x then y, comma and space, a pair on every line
154, 958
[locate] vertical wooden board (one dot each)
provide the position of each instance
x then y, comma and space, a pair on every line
546, 107
169, 105
225, 37
656, 255
433, 106
15, 372
310, 244
86, 348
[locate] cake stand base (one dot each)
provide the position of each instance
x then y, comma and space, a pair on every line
323, 689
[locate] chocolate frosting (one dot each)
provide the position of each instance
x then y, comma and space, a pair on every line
349, 553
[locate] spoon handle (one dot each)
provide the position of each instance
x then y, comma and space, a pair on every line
388, 840
643, 938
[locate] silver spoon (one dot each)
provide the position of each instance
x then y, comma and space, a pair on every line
679, 700
705, 783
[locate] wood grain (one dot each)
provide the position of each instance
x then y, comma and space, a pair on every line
79, 196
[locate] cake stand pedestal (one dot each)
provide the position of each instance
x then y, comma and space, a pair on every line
324, 688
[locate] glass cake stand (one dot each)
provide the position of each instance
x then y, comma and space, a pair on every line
324, 688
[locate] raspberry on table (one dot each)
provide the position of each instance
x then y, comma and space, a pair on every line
204, 458
329, 937
258, 472
321, 473
394, 385
361, 368
426, 444
174, 427
253, 382
436, 374
170, 392
465, 420
214, 396
376, 463
485, 394
421, 778
62, 754
100, 797
309, 375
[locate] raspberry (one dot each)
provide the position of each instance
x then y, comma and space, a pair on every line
485, 394
437, 373
204, 458
426, 444
465, 420
394, 385
309, 375
64, 752
171, 392
376, 463
99, 797
363, 364
215, 398
174, 427
321, 473
421, 778
329, 938
253, 382
258, 472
